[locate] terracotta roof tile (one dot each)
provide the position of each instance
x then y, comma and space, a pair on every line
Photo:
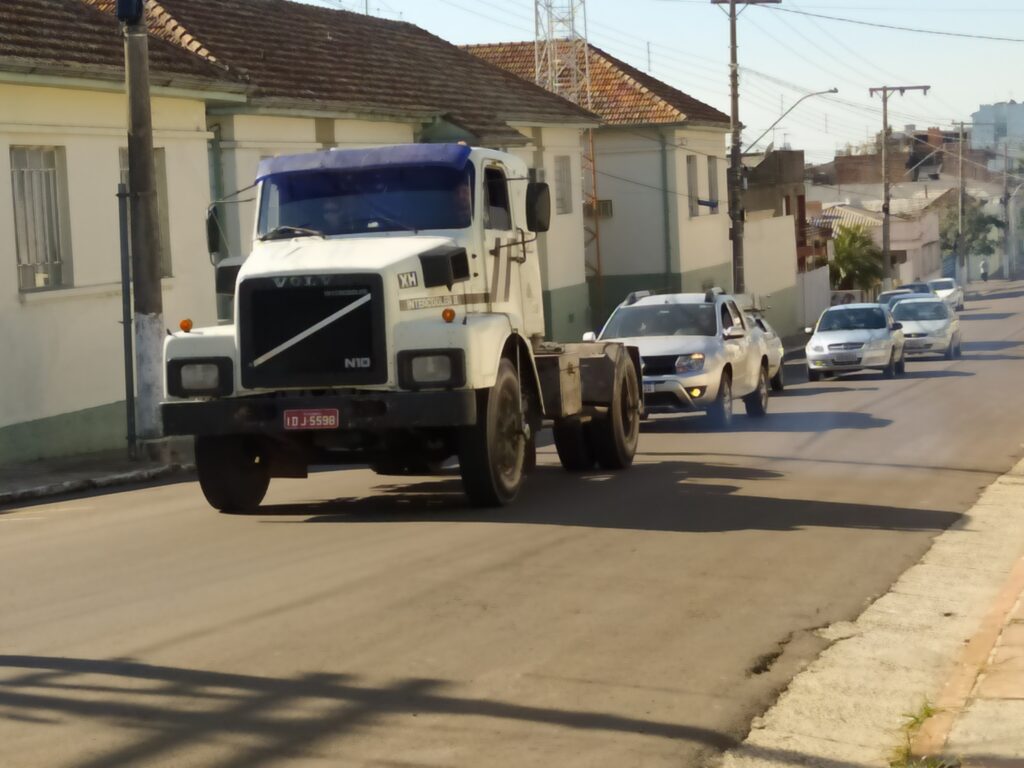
68, 37
620, 94
294, 52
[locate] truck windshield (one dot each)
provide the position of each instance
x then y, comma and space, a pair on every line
336, 202
662, 320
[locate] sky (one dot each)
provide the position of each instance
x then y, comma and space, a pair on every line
783, 55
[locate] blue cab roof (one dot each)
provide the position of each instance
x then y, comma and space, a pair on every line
454, 156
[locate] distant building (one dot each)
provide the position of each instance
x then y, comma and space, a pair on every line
997, 127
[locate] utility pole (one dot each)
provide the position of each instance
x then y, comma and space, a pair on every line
885, 90
736, 214
145, 236
961, 257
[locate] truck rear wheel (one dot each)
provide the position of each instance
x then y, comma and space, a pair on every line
233, 474
615, 435
492, 453
573, 445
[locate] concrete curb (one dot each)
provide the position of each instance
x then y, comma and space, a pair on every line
89, 483
846, 709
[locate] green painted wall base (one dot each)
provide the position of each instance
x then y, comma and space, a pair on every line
102, 428
566, 313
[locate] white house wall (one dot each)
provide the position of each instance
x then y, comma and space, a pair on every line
62, 378
769, 260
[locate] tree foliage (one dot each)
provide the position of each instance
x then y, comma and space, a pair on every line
858, 260
980, 230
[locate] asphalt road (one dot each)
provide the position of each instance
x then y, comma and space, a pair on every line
641, 618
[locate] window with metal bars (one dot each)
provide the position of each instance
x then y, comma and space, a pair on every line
39, 187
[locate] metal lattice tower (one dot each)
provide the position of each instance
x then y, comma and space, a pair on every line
560, 54
562, 66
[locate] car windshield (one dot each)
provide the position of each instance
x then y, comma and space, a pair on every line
336, 202
886, 297
920, 310
942, 285
918, 287
662, 320
858, 318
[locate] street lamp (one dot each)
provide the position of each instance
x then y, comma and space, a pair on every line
795, 105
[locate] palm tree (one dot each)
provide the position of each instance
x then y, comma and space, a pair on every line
858, 260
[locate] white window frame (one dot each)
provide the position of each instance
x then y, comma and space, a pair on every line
41, 232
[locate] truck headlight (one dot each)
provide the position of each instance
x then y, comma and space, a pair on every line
200, 377
690, 363
431, 369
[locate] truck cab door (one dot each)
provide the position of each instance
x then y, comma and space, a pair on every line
503, 254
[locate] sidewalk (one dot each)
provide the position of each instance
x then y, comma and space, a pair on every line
931, 675
52, 477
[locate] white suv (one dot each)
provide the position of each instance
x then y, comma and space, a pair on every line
699, 351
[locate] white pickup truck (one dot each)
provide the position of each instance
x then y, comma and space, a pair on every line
390, 314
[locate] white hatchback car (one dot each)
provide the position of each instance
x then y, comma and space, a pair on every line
930, 327
851, 337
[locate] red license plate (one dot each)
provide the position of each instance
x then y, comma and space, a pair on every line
311, 418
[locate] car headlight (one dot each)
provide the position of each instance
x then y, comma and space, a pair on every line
431, 369
200, 377
690, 363
877, 344
817, 348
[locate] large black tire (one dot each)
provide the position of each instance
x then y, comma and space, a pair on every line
901, 365
573, 445
492, 452
779, 379
813, 376
756, 403
889, 371
233, 473
720, 412
615, 434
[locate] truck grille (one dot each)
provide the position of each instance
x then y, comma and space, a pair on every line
312, 331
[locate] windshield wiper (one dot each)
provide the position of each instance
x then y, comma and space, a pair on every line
287, 230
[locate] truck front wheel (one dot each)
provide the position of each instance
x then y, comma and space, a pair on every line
492, 453
615, 435
233, 474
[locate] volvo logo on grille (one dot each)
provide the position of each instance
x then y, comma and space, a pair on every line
357, 362
302, 281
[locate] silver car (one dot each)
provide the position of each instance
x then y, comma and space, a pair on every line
852, 337
930, 327
699, 351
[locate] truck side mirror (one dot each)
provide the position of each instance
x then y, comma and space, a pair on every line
213, 241
538, 206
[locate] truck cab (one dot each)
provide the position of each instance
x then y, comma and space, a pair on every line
390, 313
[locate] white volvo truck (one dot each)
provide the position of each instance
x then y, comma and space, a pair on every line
390, 313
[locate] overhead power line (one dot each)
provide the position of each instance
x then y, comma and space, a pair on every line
780, 9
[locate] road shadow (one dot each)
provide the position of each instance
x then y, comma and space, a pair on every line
168, 709
164, 710
986, 316
661, 495
989, 346
803, 421
1012, 294
811, 391
942, 373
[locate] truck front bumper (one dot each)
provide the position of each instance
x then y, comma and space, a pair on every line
376, 411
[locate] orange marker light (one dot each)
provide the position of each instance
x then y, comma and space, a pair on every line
185, 325
448, 315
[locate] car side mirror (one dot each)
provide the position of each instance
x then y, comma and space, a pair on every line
590, 336
538, 206
734, 332
213, 240
897, 326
